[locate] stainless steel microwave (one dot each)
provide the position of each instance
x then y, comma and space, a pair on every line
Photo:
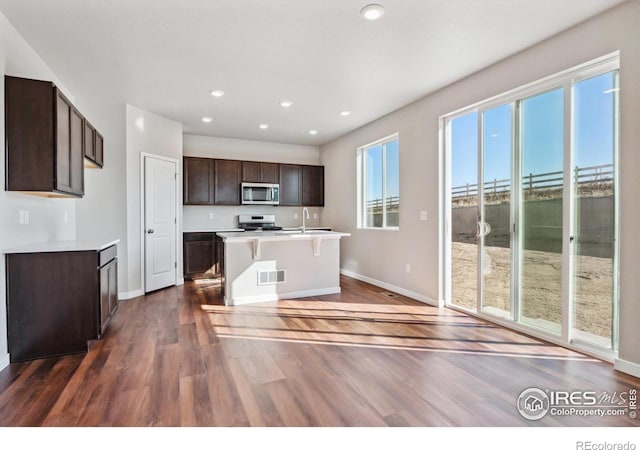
260, 194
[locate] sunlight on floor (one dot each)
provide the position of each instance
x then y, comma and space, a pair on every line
384, 326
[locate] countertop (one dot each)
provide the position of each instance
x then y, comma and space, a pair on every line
63, 246
214, 230
283, 235
238, 230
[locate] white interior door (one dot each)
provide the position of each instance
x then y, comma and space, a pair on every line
159, 223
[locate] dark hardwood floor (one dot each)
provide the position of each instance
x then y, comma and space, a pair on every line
178, 357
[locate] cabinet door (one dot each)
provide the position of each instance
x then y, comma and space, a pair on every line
63, 144
290, 185
199, 257
104, 298
250, 172
197, 180
89, 141
99, 149
227, 182
313, 185
76, 161
269, 173
113, 287
30, 109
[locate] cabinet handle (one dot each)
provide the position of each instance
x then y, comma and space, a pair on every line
150, 231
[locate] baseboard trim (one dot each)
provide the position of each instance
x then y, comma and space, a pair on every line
627, 367
180, 282
391, 287
4, 361
131, 294
283, 296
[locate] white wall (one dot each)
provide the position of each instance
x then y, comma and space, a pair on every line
101, 213
417, 242
146, 133
197, 217
47, 216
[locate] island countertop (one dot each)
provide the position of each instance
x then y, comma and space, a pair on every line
282, 235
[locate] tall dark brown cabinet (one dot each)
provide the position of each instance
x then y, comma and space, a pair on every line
198, 181
313, 185
290, 185
227, 174
44, 140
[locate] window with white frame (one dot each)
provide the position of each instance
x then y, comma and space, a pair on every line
379, 184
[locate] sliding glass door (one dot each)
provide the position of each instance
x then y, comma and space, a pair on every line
593, 275
533, 207
495, 227
463, 246
541, 187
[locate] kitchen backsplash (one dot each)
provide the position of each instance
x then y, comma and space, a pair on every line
196, 218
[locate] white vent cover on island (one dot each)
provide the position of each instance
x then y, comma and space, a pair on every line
271, 277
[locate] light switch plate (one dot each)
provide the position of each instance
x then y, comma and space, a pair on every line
211, 216
423, 215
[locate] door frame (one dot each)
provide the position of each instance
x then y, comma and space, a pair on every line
565, 338
179, 279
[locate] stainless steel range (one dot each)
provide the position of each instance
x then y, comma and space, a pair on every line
257, 222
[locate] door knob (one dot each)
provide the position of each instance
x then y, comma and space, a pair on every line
150, 231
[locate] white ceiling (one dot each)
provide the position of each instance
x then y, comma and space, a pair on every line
165, 55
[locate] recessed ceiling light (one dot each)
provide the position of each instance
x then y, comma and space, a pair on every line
207, 119
372, 12
286, 103
345, 113
263, 126
217, 92
313, 131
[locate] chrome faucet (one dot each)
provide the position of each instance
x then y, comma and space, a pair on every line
305, 213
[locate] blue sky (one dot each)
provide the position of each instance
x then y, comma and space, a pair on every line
374, 170
542, 134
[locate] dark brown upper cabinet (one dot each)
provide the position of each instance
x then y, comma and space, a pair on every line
260, 172
93, 146
44, 140
313, 185
99, 149
198, 181
290, 185
227, 175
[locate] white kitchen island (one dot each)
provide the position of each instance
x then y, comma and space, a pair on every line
277, 265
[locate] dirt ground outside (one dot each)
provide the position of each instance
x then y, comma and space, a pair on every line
541, 286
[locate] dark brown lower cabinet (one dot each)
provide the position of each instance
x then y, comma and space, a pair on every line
199, 255
54, 301
108, 286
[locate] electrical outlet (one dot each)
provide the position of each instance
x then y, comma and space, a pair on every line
423, 215
21, 217
211, 216
407, 268
295, 215
315, 215
26, 217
